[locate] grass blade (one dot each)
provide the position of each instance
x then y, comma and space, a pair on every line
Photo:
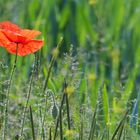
60, 109
67, 107
51, 65
27, 101
32, 122
61, 128
120, 125
92, 129
120, 132
50, 134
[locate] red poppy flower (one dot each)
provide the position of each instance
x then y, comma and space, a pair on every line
12, 36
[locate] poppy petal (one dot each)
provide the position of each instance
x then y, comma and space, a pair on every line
13, 37
3, 39
9, 26
29, 34
24, 49
12, 47
31, 47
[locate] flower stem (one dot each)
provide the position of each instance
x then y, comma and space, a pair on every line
7, 97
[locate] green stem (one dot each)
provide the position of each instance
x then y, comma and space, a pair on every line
51, 65
68, 111
46, 81
7, 97
60, 109
50, 134
120, 125
32, 122
92, 129
61, 128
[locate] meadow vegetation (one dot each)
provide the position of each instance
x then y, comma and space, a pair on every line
83, 84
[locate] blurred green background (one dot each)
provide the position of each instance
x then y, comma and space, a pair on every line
108, 30
82, 22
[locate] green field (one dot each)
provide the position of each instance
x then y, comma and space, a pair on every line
84, 83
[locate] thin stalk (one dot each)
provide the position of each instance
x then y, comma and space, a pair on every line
120, 125
58, 118
44, 116
41, 121
51, 65
46, 82
50, 134
36, 65
120, 132
7, 96
81, 131
92, 129
61, 128
32, 122
68, 110
27, 101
